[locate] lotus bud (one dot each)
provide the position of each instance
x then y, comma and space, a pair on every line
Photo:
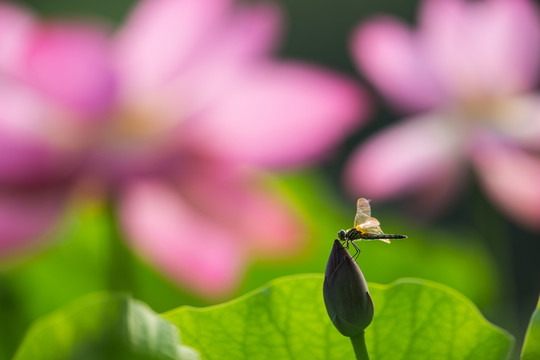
346, 293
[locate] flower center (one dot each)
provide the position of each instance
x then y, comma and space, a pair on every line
513, 117
140, 126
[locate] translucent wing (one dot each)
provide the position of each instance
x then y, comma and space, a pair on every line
370, 226
363, 212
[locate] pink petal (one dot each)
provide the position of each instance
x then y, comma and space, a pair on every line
267, 219
245, 37
405, 158
511, 177
391, 56
180, 241
67, 62
54, 80
16, 26
487, 47
38, 141
70, 64
26, 217
248, 32
161, 35
243, 200
280, 115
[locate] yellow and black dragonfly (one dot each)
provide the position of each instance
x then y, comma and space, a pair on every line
365, 227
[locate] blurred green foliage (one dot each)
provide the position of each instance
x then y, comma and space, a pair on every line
531, 346
103, 326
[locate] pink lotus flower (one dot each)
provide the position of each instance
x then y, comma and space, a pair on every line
467, 70
202, 109
54, 83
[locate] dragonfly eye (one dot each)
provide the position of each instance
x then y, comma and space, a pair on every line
342, 234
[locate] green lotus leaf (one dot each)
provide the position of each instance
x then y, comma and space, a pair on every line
414, 319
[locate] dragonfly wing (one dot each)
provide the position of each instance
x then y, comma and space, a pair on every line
383, 240
363, 212
371, 226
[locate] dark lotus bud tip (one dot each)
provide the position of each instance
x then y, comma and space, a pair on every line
346, 293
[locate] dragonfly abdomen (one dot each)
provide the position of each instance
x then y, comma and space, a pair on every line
381, 236
353, 234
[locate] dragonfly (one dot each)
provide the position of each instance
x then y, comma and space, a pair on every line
365, 227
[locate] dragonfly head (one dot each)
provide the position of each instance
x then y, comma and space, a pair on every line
342, 235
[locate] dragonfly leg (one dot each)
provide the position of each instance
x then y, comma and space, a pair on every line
357, 250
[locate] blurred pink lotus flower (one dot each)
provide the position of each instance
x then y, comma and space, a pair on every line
202, 109
54, 84
466, 69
